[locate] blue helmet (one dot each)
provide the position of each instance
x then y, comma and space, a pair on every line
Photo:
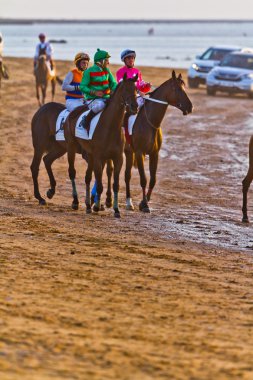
127, 53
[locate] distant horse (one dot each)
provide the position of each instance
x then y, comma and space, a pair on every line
147, 135
246, 183
107, 143
43, 75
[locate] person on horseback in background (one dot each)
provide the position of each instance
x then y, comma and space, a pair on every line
71, 84
43, 48
96, 85
128, 57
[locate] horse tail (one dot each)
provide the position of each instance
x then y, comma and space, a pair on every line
59, 80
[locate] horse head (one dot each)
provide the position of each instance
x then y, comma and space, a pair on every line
177, 96
129, 93
42, 60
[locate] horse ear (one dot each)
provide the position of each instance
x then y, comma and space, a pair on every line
180, 77
135, 78
125, 77
174, 75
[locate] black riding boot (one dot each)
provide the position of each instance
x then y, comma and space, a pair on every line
85, 123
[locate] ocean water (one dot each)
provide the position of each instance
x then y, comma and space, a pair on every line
172, 44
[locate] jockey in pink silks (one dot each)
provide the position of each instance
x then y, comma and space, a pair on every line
128, 57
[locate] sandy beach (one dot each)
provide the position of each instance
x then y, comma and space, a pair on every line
166, 295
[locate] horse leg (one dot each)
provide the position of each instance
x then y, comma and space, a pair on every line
153, 162
88, 177
129, 164
48, 160
53, 83
143, 206
109, 171
38, 95
72, 173
35, 172
246, 183
43, 88
117, 164
98, 171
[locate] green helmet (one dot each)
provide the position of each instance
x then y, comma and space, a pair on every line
101, 54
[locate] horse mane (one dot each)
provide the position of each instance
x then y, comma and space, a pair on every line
179, 81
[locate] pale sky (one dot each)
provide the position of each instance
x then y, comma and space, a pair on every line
127, 9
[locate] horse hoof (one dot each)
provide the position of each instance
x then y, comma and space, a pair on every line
42, 202
108, 204
50, 193
129, 204
144, 207
245, 219
102, 208
88, 211
74, 206
95, 208
117, 214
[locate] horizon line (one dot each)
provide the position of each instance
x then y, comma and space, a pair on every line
8, 20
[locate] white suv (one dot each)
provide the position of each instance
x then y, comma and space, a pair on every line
199, 69
233, 75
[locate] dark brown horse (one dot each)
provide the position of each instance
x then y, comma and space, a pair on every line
107, 143
147, 134
246, 183
44, 143
43, 75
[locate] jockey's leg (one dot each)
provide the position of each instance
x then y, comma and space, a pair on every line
95, 106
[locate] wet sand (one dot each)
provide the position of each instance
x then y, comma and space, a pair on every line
160, 296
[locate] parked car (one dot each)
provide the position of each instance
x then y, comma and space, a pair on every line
199, 69
233, 75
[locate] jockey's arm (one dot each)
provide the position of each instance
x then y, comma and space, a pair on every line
66, 86
37, 52
112, 81
49, 50
85, 84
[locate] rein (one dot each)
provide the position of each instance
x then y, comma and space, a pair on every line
155, 101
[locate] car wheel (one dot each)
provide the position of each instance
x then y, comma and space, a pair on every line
210, 91
193, 83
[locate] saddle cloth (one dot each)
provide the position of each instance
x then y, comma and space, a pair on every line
59, 136
81, 132
131, 122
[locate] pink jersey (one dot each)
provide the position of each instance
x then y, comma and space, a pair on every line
131, 72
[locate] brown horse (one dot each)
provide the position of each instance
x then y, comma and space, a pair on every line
246, 183
107, 143
147, 135
43, 75
45, 143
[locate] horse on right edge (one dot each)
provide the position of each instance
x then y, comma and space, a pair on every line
246, 183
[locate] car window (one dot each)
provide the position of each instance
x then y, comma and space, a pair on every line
215, 54
244, 62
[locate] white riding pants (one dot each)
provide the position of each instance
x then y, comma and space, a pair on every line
96, 105
71, 104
